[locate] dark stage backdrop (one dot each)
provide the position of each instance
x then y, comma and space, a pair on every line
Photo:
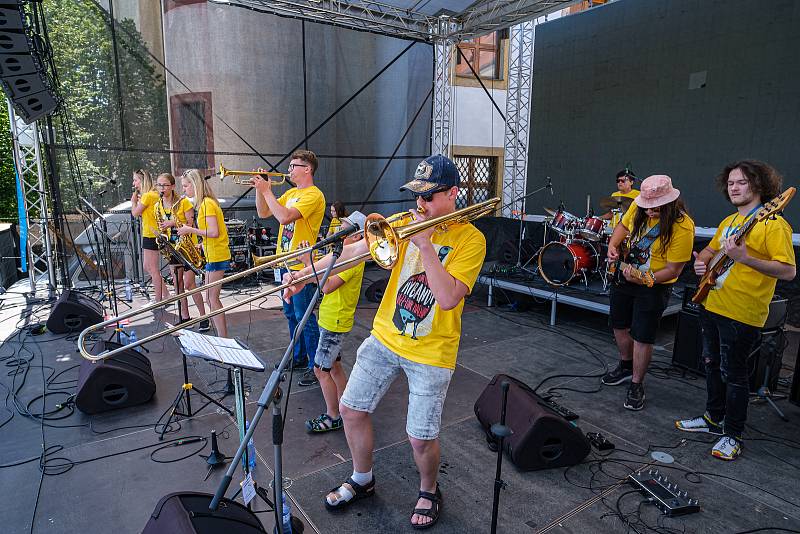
680, 87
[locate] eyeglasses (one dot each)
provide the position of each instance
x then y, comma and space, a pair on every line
293, 165
163, 185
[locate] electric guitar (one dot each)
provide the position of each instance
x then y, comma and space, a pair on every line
615, 268
720, 262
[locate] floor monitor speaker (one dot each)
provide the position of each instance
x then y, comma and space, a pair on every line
73, 312
542, 438
187, 513
117, 382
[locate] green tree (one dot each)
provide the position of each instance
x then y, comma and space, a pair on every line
8, 183
81, 39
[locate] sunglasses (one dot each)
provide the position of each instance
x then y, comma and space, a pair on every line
622, 180
428, 197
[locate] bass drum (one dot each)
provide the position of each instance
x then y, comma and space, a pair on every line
559, 262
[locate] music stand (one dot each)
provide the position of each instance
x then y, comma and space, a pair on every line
215, 349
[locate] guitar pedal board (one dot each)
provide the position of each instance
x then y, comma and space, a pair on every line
663, 493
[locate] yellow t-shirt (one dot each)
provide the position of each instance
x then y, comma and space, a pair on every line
633, 193
179, 211
215, 248
742, 293
654, 258
310, 202
338, 307
149, 200
409, 322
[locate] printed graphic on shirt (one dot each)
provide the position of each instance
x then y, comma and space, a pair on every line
288, 229
414, 302
640, 257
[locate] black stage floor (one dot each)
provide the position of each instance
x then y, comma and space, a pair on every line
114, 483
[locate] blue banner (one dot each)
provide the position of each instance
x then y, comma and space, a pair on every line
23, 226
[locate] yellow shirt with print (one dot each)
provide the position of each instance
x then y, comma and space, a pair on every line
215, 248
338, 307
409, 322
149, 199
742, 293
310, 202
680, 246
633, 193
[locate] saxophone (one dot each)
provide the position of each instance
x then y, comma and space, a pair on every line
183, 247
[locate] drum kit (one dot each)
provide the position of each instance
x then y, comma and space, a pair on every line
578, 250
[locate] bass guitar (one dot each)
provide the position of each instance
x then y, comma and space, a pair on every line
720, 262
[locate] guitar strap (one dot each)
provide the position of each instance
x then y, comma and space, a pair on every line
637, 254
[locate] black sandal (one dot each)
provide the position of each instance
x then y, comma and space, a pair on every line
358, 491
432, 512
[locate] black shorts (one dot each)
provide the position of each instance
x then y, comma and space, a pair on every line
149, 243
639, 308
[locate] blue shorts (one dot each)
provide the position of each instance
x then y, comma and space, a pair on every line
217, 266
376, 368
328, 349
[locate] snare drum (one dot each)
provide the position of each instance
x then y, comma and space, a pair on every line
559, 262
592, 228
564, 222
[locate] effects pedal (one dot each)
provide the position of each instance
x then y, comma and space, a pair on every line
566, 413
664, 494
599, 441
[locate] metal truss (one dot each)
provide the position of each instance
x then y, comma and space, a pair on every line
442, 113
518, 110
28, 163
367, 16
486, 16
478, 19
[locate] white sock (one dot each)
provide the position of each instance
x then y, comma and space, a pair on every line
362, 478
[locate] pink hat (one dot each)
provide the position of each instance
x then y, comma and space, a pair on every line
656, 191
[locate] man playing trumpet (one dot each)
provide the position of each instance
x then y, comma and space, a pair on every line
416, 332
299, 211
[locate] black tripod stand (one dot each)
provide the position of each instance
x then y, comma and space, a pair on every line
185, 389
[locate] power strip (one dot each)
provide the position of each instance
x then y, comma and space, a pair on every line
664, 494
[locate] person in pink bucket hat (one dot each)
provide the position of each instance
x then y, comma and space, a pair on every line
659, 234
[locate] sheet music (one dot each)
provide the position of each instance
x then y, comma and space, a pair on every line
220, 349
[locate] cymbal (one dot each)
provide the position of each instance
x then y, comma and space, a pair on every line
551, 211
610, 203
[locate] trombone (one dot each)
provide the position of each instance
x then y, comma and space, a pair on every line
383, 242
223, 173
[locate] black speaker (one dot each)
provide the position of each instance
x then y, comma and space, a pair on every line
22, 73
73, 312
117, 382
187, 513
542, 438
687, 350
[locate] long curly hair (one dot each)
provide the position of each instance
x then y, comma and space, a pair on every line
669, 214
765, 180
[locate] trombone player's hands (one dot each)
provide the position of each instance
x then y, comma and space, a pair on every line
293, 289
424, 237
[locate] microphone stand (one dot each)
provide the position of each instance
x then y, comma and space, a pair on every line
500, 432
271, 395
548, 185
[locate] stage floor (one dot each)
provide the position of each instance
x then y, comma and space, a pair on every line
109, 481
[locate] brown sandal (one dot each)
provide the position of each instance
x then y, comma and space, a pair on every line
432, 512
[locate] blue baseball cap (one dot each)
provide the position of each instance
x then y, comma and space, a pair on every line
434, 173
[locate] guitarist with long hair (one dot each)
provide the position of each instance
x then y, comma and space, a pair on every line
661, 235
737, 306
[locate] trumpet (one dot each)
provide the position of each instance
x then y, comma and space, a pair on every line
223, 173
383, 242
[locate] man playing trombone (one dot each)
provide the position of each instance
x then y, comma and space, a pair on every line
416, 331
299, 211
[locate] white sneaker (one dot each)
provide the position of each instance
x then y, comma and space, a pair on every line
727, 448
702, 423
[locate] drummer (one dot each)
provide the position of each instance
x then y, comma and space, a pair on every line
625, 180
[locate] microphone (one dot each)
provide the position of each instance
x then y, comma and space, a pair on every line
333, 238
550, 185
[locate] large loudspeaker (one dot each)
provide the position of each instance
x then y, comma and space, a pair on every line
22, 74
541, 437
687, 350
118, 382
73, 312
187, 513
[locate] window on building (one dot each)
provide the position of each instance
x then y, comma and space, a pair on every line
483, 53
192, 131
478, 179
